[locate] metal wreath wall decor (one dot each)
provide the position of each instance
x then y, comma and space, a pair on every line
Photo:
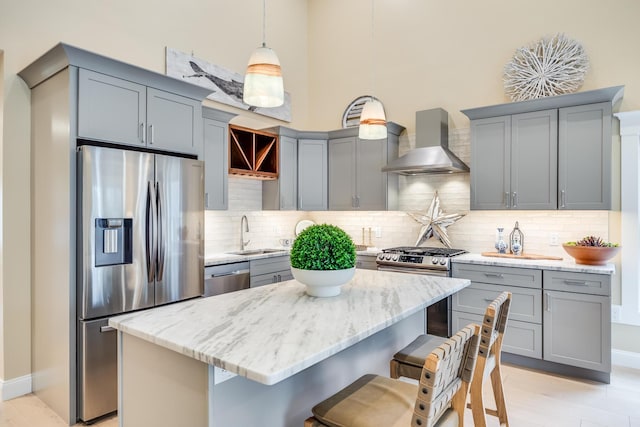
551, 66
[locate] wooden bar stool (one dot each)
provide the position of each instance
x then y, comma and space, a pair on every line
438, 401
406, 361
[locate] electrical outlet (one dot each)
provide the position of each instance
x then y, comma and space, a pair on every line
554, 239
377, 231
616, 313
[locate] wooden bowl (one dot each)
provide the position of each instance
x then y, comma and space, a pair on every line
591, 255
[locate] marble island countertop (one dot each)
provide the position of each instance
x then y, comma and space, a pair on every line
567, 264
270, 333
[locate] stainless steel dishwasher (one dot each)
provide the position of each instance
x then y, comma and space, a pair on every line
220, 279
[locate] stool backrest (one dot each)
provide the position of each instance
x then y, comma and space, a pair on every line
446, 375
494, 324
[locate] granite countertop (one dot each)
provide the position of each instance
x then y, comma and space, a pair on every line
568, 264
270, 333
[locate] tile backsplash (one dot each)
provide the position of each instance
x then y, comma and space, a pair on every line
475, 232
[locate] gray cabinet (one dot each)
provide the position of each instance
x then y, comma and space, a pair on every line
313, 181
514, 161
584, 157
116, 110
577, 320
367, 262
216, 158
266, 271
524, 328
282, 193
548, 153
356, 181
559, 320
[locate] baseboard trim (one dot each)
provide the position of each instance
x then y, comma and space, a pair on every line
15, 387
624, 358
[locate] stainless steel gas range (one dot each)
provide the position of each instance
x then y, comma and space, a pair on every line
427, 261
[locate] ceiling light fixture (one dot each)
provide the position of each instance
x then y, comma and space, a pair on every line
263, 85
373, 122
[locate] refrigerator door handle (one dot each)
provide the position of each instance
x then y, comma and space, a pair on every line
160, 234
149, 241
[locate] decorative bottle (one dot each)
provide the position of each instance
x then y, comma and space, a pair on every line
516, 240
501, 245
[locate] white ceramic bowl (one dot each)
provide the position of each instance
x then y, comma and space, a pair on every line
323, 283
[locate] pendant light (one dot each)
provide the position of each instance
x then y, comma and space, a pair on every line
373, 122
263, 86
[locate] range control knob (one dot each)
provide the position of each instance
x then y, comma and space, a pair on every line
388, 257
395, 257
380, 257
443, 261
434, 260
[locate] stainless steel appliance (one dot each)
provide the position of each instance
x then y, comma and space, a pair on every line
220, 279
140, 244
429, 261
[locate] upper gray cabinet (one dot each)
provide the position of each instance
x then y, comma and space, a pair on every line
216, 158
356, 181
506, 153
116, 110
549, 153
302, 179
584, 167
282, 193
313, 184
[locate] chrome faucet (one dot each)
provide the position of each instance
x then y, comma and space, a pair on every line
244, 226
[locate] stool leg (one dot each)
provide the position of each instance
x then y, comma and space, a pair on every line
498, 394
393, 369
477, 400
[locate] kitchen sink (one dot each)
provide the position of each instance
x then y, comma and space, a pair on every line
255, 251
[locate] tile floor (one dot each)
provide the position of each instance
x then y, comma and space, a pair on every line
534, 399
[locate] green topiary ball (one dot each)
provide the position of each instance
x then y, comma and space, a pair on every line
323, 247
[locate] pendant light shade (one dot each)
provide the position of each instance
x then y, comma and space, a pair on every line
373, 122
263, 86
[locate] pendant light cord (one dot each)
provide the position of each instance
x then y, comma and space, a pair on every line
373, 69
264, 23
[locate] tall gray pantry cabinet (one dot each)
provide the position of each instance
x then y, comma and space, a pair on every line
548, 153
58, 120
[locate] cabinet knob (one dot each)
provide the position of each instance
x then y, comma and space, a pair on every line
515, 199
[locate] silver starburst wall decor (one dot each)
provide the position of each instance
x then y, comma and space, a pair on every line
434, 222
551, 66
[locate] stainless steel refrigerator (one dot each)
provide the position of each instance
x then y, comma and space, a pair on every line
140, 244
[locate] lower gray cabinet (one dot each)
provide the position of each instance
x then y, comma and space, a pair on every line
577, 325
367, 262
562, 317
524, 328
266, 271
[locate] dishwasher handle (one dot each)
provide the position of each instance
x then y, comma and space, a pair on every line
230, 273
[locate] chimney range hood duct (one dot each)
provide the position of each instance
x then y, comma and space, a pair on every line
432, 154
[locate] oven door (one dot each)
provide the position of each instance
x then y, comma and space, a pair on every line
438, 314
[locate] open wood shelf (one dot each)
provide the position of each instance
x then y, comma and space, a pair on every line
253, 153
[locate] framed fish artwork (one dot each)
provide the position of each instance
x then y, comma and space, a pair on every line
226, 84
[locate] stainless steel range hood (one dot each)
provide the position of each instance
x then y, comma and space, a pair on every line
432, 154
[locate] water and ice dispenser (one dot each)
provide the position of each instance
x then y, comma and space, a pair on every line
113, 237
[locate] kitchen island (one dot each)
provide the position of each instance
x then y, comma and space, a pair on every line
289, 350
